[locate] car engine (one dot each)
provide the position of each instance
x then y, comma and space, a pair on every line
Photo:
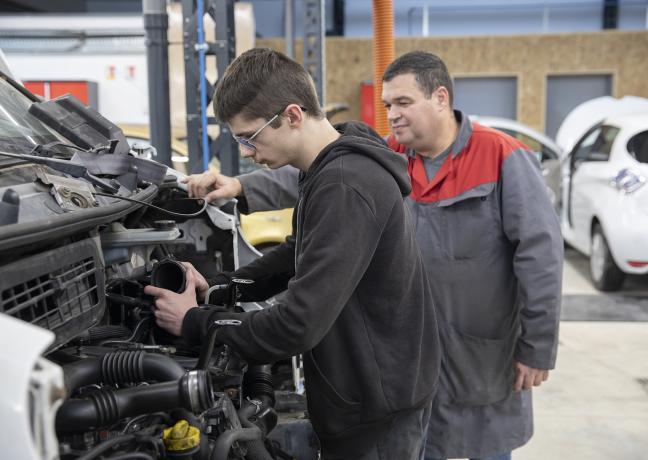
85, 224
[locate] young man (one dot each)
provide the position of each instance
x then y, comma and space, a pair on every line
491, 243
357, 301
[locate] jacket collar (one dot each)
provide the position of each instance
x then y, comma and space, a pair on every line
465, 131
420, 182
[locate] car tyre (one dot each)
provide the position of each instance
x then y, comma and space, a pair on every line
605, 273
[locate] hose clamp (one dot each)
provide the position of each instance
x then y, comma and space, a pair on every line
192, 391
256, 403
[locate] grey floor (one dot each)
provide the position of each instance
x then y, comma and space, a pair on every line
595, 403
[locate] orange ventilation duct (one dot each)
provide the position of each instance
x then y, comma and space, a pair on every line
383, 51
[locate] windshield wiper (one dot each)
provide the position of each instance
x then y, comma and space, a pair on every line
65, 166
47, 150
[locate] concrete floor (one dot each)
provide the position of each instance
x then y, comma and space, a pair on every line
595, 403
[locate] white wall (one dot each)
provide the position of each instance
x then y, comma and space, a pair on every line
122, 98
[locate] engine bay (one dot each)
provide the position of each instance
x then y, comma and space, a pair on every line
83, 228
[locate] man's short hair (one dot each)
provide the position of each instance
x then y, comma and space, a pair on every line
429, 70
261, 83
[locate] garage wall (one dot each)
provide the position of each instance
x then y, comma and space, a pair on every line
530, 58
493, 96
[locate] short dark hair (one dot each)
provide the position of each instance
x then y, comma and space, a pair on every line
429, 70
261, 83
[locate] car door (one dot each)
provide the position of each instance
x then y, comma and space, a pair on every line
549, 162
589, 178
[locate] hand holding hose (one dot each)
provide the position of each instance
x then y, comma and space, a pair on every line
170, 307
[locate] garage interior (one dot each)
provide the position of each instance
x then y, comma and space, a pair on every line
524, 67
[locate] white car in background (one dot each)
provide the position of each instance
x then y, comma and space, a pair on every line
605, 198
549, 153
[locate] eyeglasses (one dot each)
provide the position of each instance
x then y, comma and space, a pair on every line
247, 142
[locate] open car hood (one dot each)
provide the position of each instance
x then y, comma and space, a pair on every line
587, 114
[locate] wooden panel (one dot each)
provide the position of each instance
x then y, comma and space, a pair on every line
531, 58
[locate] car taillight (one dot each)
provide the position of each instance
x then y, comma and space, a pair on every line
628, 180
637, 263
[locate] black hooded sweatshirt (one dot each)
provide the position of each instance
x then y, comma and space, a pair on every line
357, 302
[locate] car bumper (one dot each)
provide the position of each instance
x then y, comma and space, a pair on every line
627, 235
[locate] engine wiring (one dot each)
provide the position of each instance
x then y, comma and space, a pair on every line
171, 213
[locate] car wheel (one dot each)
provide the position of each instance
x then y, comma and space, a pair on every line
605, 274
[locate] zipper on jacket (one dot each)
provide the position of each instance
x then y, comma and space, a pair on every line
297, 230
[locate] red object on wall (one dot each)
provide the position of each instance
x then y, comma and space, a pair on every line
85, 91
367, 111
36, 87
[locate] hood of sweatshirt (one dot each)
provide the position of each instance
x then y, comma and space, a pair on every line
359, 139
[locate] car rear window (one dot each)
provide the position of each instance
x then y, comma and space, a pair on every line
638, 147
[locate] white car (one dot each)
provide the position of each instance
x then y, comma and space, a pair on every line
605, 200
549, 153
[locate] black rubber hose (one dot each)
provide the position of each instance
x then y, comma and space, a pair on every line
257, 384
107, 445
104, 408
256, 449
99, 333
132, 456
169, 274
113, 442
207, 348
266, 420
225, 441
121, 367
245, 413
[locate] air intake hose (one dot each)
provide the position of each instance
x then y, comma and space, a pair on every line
121, 367
101, 409
257, 384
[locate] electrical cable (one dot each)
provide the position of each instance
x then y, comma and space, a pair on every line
177, 214
131, 338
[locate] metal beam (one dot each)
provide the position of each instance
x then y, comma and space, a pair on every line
156, 23
224, 48
289, 27
314, 45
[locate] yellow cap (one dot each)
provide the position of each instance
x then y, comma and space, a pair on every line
181, 436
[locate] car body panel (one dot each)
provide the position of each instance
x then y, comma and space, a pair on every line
549, 153
591, 112
31, 389
591, 197
266, 228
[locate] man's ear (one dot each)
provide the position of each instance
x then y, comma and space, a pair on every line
442, 95
294, 114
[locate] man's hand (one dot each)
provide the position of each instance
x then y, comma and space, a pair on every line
201, 283
213, 186
171, 308
527, 377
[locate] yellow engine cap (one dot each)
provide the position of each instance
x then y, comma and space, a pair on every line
181, 436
